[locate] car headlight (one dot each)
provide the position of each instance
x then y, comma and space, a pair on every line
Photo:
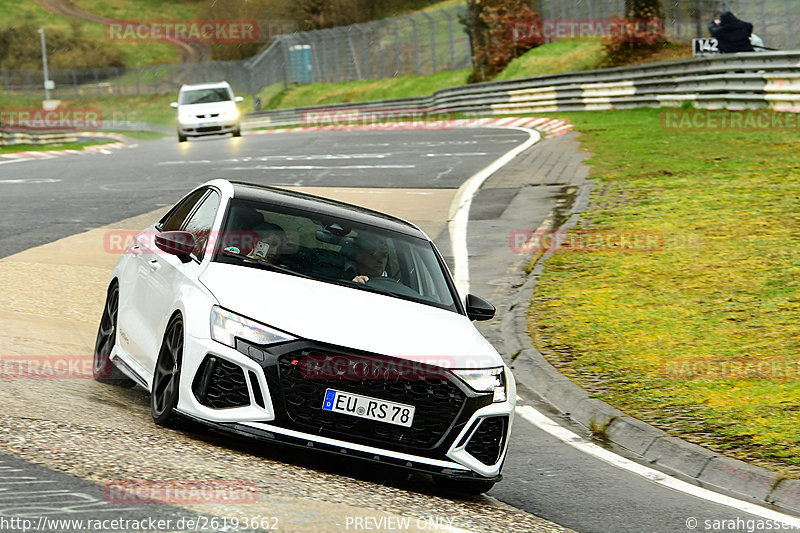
184, 117
230, 114
227, 326
485, 380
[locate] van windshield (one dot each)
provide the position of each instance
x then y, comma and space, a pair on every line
204, 96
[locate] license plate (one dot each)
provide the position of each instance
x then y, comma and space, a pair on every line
366, 407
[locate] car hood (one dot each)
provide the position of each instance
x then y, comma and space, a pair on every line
208, 108
348, 317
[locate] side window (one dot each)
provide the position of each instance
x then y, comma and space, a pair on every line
202, 221
175, 218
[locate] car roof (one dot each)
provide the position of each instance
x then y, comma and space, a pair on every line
325, 206
213, 85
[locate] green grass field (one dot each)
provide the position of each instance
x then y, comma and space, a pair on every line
700, 337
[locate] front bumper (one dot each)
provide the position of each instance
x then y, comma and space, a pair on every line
456, 432
208, 127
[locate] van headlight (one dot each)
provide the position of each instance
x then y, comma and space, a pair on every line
227, 326
485, 380
184, 117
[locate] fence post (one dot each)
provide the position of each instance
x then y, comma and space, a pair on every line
416, 42
452, 38
6, 82
352, 49
316, 51
398, 62
433, 39
379, 45
365, 46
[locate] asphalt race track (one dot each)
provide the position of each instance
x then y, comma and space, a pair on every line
44, 201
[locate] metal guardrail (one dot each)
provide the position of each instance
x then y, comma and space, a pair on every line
8, 138
750, 81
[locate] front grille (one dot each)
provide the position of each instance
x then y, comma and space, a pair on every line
220, 384
486, 443
206, 129
438, 401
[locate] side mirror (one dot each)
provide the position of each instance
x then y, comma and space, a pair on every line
180, 243
478, 308
174, 105
238, 99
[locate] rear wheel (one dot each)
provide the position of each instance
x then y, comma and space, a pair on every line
103, 369
166, 377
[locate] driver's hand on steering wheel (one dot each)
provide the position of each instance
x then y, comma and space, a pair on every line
361, 279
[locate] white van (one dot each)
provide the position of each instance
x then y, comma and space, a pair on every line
207, 109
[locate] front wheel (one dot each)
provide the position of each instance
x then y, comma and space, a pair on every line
103, 369
237, 132
166, 377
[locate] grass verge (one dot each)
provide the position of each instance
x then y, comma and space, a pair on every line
39, 148
560, 56
700, 337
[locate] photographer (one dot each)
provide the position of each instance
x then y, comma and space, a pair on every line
732, 34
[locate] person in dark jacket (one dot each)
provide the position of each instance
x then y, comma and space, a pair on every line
732, 34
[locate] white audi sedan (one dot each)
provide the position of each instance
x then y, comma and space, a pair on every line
304, 321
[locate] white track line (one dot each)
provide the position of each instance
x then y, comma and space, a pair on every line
563, 434
459, 209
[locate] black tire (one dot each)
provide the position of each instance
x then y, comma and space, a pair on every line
167, 374
472, 487
237, 132
103, 369
181, 138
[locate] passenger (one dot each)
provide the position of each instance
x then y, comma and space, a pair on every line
732, 34
271, 239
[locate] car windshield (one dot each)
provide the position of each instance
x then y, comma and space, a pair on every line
334, 250
204, 96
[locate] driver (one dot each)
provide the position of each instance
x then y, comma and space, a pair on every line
371, 256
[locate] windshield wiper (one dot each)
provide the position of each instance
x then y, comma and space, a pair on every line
265, 264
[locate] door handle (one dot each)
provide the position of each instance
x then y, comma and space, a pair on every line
154, 264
